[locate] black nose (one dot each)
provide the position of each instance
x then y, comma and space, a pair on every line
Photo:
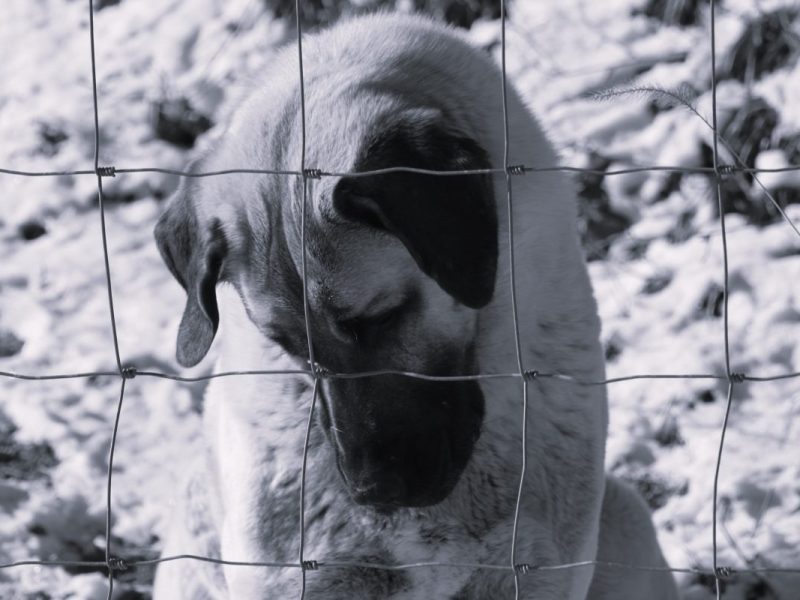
399, 442
397, 472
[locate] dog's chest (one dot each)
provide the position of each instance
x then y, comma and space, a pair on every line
345, 541
261, 523
342, 542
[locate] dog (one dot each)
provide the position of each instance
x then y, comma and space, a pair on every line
407, 272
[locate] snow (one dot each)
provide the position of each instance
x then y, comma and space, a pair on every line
658, 298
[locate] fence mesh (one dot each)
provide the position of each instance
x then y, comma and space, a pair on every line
114, 564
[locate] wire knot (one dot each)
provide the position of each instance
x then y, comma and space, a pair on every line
312, 173
722, 572
309, 565
523, 568
515, 169
724, 170
116, 563
317, 370
106, 171
530, 375
737, 377
128, 372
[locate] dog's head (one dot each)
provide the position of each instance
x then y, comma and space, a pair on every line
398, 266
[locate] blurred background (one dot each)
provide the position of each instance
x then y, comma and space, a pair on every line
618, 84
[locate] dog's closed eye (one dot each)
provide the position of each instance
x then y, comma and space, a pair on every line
361, 327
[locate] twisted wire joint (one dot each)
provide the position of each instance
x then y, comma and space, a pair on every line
722, 572
309, 565
320, 372
317, 370
116, 563
312, 173
516, 169
107, 171
523, 568
724, 170
530, 375
737, 377
128, 372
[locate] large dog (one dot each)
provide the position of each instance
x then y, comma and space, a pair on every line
407, 272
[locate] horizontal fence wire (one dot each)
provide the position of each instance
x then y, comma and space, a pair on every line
125, 371
111, 171
120, 564
131, 372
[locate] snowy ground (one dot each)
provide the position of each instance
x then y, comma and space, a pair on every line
658, 286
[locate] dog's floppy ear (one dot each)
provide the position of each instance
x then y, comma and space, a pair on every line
447, 222
194, 253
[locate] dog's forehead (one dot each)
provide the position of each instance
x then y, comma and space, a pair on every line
342, 120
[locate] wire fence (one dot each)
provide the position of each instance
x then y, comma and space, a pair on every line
115, 564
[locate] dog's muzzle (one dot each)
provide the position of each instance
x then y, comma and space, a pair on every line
401, 441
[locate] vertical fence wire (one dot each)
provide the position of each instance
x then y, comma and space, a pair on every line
514, 306
306, 312
113, 564
304, 565
112, 447
725, 295
100, 201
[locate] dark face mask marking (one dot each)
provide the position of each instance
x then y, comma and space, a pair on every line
398, 441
